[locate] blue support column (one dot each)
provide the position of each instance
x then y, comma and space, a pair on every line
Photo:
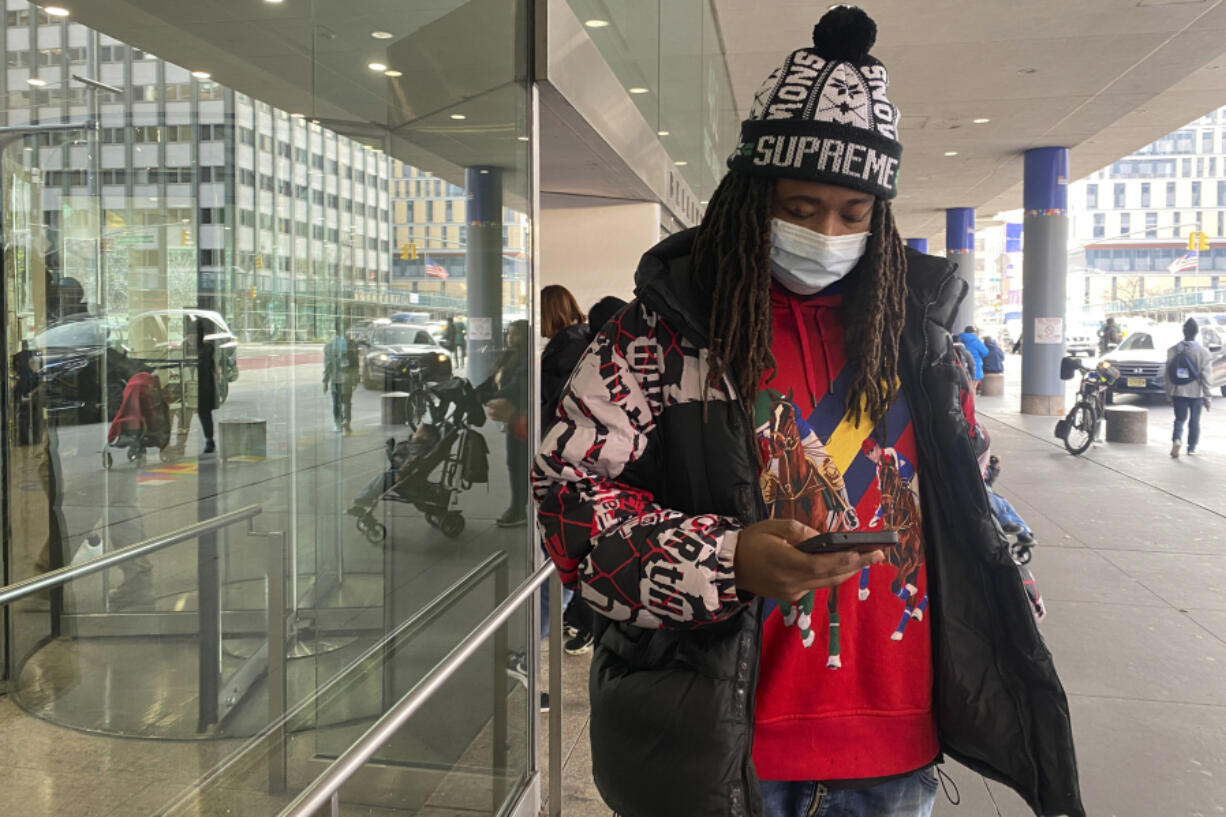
960, 249
918, 244
483, 270
1044, 280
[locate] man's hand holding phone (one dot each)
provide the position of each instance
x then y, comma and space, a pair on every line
769, 564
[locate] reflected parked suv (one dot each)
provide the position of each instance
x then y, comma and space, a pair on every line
1141, 358
391, 350
157, 340
82, 364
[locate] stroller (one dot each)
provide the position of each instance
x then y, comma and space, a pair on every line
143, 420
460, 456
1021, 538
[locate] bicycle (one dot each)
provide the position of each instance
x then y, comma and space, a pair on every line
1081, 426
419, 397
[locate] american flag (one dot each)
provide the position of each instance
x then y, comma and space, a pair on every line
434, 270
1188, 262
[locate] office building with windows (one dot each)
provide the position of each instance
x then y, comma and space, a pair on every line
1132, 219
430, 240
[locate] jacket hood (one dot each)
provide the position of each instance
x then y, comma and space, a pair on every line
664, 282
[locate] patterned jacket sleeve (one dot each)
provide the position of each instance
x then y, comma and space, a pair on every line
634, 560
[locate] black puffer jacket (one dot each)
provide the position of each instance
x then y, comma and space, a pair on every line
558, 360
637, 495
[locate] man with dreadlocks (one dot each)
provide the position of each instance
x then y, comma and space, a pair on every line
659, 489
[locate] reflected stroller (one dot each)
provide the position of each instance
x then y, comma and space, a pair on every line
143, 420
460, 456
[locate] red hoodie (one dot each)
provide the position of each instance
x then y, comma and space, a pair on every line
842, 696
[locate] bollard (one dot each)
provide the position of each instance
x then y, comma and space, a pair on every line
395, 408
1127, 424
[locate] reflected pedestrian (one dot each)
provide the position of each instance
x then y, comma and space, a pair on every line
506, 401
461, 342
1188, 367
341, 377
448, 341
207, 396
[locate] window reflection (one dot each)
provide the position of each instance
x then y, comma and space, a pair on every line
187, 283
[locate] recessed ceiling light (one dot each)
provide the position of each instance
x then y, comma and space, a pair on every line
36, 82
524, 138
597, 23
201, 74
377, 66
681, 163
393, 73
272, 1
951, 153
458, 116
703, 203
638, 90
295, 116
662, 133
382, 35
983, 120
56, 11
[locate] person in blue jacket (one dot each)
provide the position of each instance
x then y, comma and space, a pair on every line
994, 363
970, 339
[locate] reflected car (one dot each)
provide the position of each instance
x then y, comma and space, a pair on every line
393, 350
1141, 358
82, 364
159, 336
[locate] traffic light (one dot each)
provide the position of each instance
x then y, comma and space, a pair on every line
404, 252
1198, 241
185, 237
412, 250
259, 262
253, 293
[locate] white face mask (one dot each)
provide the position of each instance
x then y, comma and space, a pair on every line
807, 262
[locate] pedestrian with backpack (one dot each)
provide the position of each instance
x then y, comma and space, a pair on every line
1187, 383
341, 377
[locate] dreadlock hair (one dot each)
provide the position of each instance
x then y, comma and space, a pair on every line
732, 266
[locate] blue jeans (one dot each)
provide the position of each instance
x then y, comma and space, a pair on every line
566, 594
378, 485
1187, 409
909, 796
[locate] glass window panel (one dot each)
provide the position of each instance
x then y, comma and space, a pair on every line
208, 246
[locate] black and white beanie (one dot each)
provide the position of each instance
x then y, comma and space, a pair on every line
823, 115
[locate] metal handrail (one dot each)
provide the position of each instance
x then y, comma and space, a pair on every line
320, 697
328, 784
26, 587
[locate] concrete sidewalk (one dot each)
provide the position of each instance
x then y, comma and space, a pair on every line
1131, 564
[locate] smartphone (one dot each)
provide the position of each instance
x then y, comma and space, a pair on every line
860, 541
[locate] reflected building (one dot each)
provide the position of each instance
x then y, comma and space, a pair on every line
207, 196
430, 237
